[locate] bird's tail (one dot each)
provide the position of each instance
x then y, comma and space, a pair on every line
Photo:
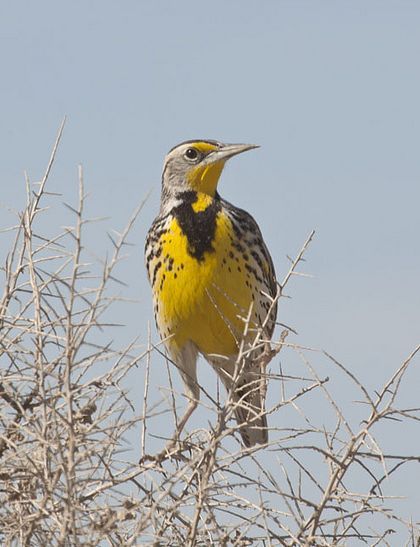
248, 397
249, 411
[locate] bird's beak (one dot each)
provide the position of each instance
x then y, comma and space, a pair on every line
227, 151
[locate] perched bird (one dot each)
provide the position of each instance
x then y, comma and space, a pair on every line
213, 282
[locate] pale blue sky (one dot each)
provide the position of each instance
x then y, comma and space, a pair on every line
330, 90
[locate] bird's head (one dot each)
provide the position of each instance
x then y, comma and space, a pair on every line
197, 165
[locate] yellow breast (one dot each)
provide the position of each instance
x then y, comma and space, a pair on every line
205, 301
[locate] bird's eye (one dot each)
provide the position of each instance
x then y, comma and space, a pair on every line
191, 154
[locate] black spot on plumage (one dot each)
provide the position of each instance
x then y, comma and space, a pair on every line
238, 232
155, 271
265, 254
155, 235
257, 259
238, 246
254, 272
162, 281
198, 227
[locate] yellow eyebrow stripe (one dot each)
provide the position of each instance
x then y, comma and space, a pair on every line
204, 147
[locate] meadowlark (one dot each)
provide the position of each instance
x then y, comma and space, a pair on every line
213, 282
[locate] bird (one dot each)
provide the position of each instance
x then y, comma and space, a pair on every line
213, 283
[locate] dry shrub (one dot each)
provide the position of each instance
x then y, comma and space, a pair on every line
66, 410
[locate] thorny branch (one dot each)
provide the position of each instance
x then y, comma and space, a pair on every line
68, 474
